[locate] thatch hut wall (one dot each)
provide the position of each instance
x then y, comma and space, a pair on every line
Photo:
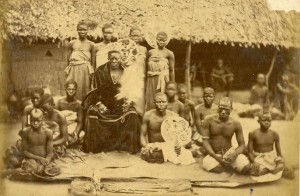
38, 65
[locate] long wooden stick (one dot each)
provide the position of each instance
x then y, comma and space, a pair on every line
271, 68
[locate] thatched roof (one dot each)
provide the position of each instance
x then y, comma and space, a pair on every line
235, 21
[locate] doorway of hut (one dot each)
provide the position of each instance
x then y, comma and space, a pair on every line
245, 62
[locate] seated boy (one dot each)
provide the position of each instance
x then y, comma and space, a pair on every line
71, 108
189, 106
56, 121
37, 146
261, 153
35, 96
173, 104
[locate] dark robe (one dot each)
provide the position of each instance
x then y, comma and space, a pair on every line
112, 129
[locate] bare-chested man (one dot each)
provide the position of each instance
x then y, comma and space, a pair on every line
35, 95
260, 148
37, 146
259, 92
217, 134
71, 107
189, 106
150, 129
205, 109
79, 61
160, 69
173, 104
56, 121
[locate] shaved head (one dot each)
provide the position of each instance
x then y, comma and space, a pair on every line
36, 113
162, 34
226, 103
208, 90
160, 95
264, 115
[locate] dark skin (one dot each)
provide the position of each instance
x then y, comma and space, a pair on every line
204, 110
69, 102
173, 104
189, 106
107, 38
50, 115
164, 53
37, 142
262, 140
152, 120
81, 43
259, 92
217, 134
35, 99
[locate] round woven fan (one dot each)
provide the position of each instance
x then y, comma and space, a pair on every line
128, 48
176, 130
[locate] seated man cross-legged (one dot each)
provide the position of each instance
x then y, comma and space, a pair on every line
261, 154
217, 133
37, 146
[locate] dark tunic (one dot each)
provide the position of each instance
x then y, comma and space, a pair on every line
112, 129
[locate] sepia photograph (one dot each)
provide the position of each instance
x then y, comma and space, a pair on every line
149, 97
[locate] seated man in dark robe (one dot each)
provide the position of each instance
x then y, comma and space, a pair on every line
111, 123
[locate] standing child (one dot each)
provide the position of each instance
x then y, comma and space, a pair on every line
160, 69
260, 146
79, 61
189, 106
259, 92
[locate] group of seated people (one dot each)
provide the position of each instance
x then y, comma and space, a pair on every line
45, 133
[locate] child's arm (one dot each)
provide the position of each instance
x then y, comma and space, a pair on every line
192, 105
277, 145
49, 145
25, 148
197, 121
250, 148
94, 52
69, 51
172, 66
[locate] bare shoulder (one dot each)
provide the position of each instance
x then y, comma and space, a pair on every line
170, 113
170, 53
28, 109
191, 103
25, 131
276, 135
47, 130
211, 118
148, 114
199, 107
235, 122
254, 132
179, 103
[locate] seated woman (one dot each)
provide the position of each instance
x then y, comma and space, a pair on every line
111, 123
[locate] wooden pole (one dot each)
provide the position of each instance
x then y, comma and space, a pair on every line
188, 67
271, 68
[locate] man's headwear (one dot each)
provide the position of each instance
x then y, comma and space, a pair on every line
208, 90
225, 102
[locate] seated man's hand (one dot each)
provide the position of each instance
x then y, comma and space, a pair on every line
44, 161
231, 157
177, 149
223, 162
254, 171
